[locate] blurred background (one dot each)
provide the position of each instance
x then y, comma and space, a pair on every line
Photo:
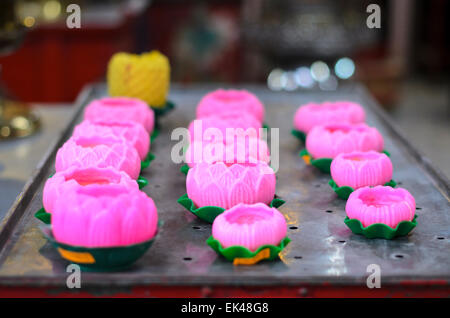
289, 45
266, 41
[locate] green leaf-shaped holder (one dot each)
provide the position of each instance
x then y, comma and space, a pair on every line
209, 213
147, 160
241, 255
380, 230
345, 191
43, 216
184, 169
155, 133
142, 182
161, 111
300, 135
276, 202
99, 259
323, 164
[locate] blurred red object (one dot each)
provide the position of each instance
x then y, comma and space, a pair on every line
55, 62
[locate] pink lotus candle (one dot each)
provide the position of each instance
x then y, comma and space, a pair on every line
121, 109
359, 169
251, 226
248, 150
310, 115
98, 152
327, 141
104, 217
215, 128
381, 204
221, 102
225, 186
128, 131
75, 178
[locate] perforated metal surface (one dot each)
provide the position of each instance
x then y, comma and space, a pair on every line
322, 251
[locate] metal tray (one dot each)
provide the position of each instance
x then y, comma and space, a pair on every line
323, 259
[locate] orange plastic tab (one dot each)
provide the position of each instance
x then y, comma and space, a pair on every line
307, 159
77, 257
263, 254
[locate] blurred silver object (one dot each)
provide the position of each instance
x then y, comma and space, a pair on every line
319, 29
16, 118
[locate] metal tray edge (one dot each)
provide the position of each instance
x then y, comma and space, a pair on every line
15, 213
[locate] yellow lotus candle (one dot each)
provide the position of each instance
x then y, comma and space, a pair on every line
144, 76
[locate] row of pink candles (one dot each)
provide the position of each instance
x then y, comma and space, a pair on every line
94, 198
95, 201
337, 130
234, 177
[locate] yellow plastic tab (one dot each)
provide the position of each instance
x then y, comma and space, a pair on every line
77, 257
263, 254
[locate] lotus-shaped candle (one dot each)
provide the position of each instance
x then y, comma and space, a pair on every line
121, 109
246, 234
328, 141
224, 128
145, 76
128, 131
103, 228
225, 186
98, 152
350, 171
381, 211
75, 178
223, 102
104, 217
325, 142
310, 115
240, 150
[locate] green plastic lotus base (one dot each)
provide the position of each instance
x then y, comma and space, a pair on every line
300, 135
391, 184
185, 169
146, 162
209, 213
155, 133
240, 252
99, 259
161, 111
43, 216
142, 182
323, 164
276, 202
345, 191
380, 230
